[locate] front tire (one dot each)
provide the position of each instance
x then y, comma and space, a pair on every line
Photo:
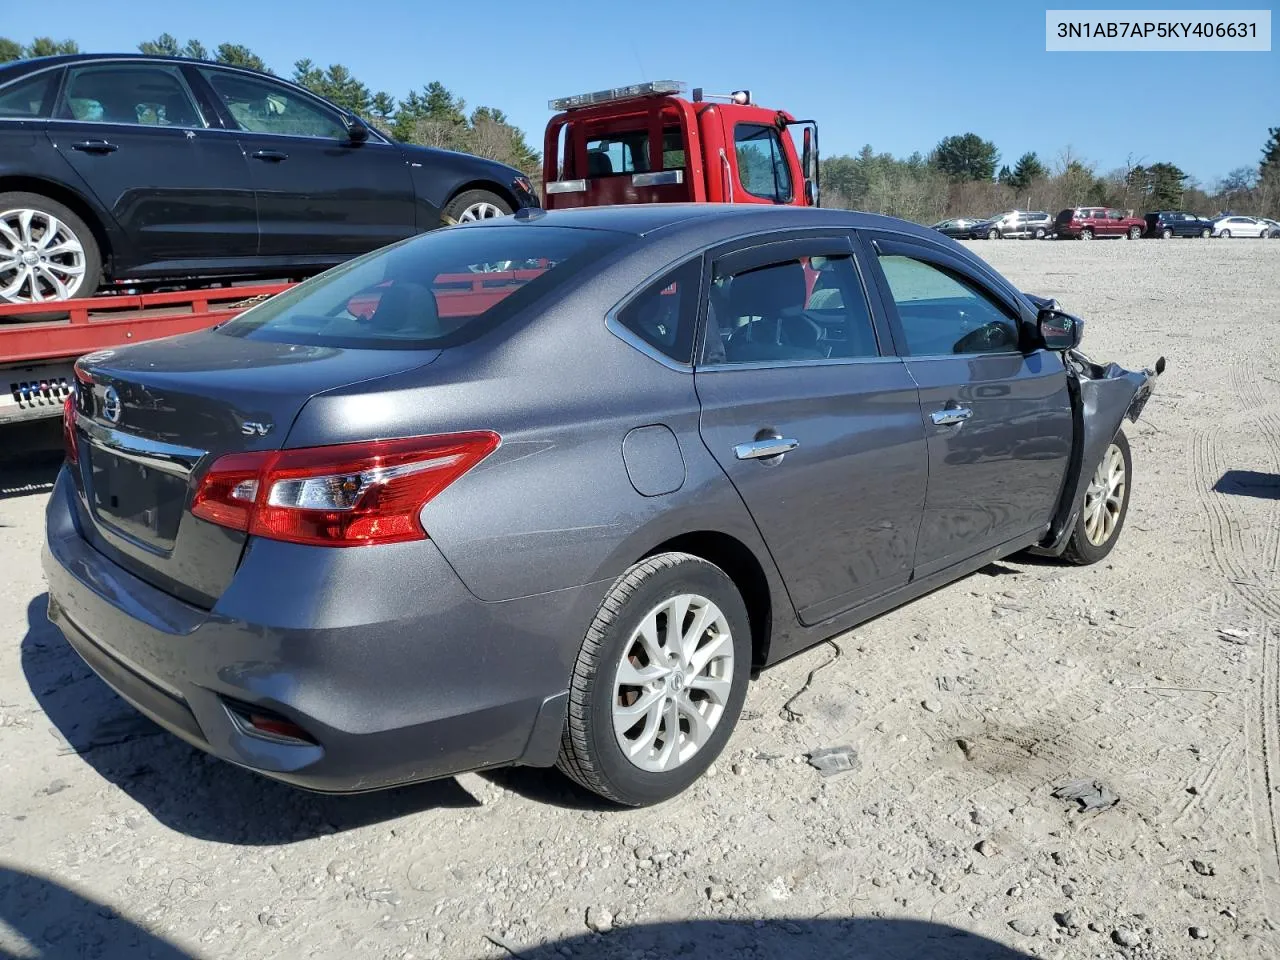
993, 234
1206, 233
48, 253
1039, 233
1166, 234
1086, 234
475, 205
1106, 504
659, 682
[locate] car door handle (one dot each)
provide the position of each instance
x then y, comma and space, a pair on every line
950, 415
274, 156
94, 146
768, 447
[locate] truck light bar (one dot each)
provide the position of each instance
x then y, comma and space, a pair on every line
652, 88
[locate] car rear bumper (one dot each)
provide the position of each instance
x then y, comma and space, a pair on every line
396, 671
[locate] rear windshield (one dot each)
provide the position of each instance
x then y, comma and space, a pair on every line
437, 290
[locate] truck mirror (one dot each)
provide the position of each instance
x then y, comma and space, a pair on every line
806, 155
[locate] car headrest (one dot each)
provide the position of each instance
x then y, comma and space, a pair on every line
599, 164
407, 308
768, 292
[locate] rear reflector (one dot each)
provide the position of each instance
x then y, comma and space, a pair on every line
355, 494
69, 428
264, 723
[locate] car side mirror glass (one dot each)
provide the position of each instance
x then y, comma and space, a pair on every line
356, 129
1058, 330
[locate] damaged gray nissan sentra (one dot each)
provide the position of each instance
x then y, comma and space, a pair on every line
546, 489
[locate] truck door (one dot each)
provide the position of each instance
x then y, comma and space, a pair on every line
177, 187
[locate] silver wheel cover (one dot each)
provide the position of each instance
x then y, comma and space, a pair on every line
1104, 497
484, 210
673, 683
41, 259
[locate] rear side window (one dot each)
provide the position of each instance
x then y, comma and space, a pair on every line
28, 98
436, 290
149, 95
811, 308
665, 314
629, 153
762, 165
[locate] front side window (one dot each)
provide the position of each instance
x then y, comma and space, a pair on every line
29, 98
665, 314
145, 94
810, 308
944, 313
260, 106
436, 290
762, 164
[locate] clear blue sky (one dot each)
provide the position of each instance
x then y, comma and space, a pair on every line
898, 75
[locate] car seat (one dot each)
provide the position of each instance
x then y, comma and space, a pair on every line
771, 302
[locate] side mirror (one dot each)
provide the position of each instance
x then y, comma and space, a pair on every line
357, 131
1058, 330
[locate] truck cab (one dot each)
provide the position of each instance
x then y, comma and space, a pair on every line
646, 143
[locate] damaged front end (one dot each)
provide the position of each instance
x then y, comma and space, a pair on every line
1103, 397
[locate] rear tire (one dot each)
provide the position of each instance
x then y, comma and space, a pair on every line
475, 205
1135, 233
1225, 234
706, 675
1106, 504
40, 225
1039, 233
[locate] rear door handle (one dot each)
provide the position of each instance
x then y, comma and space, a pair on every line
94, 146
275, 156
768, 447
950, 415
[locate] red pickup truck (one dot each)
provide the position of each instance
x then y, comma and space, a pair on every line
1085, 223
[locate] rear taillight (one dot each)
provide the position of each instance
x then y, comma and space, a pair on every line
353, 494
69, 428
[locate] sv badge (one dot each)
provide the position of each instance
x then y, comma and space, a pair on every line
251, 428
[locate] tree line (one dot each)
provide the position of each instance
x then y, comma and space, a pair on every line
963, 176
432, 115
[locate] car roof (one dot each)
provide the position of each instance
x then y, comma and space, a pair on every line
644, 219
18, 68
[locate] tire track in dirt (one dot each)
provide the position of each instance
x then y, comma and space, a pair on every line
1250, 561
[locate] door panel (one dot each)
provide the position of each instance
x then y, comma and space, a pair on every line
997, 421
178, 190
318, 193
791, 354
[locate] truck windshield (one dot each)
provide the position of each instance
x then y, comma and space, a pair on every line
432, 291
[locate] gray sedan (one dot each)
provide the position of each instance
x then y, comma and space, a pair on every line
545, 489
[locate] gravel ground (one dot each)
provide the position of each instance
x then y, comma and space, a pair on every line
1155, 672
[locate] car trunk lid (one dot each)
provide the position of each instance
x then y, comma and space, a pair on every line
151, 418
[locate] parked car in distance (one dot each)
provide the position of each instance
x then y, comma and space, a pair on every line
958, 228
351, 545
1236, 226
1014, 223
1087, 223
1167, 224
136, 168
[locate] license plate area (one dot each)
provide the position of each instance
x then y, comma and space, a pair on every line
136, 500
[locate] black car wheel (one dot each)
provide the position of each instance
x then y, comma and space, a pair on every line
1166, 233
993, 234
1206, 233
1225, 234
1086, 234
1135, 233
476, 205
1106, 504
1039, 233
659, 681
47, 253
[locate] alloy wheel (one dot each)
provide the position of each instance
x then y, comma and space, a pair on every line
41, 258
1104, 497
673, 683
480, 211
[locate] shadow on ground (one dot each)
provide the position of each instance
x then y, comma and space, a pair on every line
40, 919
182, 787
1249, 483
30, 456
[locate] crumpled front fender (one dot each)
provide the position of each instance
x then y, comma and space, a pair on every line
1103, 397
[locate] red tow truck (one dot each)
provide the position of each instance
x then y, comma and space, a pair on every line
598, 150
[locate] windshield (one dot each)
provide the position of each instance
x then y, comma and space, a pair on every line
436, 290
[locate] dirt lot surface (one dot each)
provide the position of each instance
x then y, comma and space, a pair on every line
1154, 672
